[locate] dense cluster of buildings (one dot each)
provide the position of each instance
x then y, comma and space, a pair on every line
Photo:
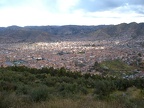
73, 55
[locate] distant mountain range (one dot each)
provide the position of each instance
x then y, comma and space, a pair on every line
13, 34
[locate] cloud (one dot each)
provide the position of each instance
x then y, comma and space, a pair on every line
65, 12
66, 5
12, 3
97, 5
104, 5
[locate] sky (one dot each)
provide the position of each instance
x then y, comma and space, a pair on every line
70, 12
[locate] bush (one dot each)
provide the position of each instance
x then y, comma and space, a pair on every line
23, 89
131, 98
39, 94
10, 100
8, 86
104, 88
68, 90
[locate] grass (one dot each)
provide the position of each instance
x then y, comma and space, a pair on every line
131, 98
12, 101
116, 65
83, 103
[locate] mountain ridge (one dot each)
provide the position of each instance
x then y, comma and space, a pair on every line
14, 34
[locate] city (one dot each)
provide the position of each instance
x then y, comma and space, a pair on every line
73, 55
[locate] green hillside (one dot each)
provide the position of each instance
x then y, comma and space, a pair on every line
116, 65
22, 87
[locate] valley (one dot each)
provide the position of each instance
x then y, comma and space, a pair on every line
76, 48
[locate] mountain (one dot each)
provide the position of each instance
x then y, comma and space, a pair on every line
19, 34
65, 30
14, 34
133, 29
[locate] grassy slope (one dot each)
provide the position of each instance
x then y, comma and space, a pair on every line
116, 65
32, 88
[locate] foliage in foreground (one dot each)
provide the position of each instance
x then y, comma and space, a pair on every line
21, 87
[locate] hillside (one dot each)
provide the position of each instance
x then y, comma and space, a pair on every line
73, 32
22, 87
18, 34
132, 30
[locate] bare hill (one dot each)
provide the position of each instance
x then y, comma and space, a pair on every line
15, 34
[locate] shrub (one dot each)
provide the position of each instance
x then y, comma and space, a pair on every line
39, 94
104, 88
23, 89
8, 86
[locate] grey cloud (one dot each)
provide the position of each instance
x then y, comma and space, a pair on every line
102, 5
138, 9
136, 6
136, 2
97, 5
